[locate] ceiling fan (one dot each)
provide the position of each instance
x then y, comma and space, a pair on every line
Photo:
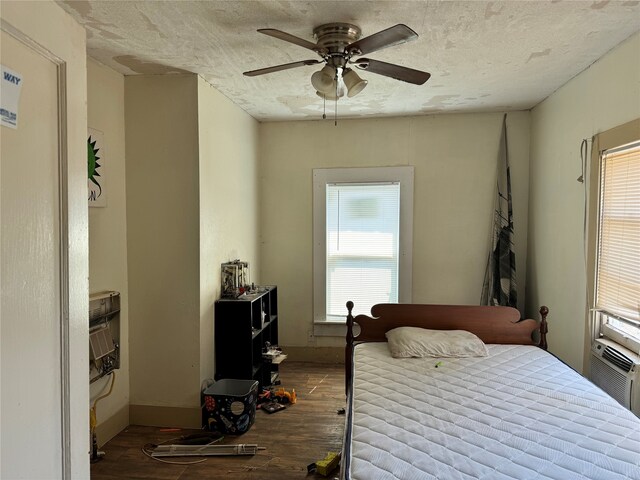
337, 44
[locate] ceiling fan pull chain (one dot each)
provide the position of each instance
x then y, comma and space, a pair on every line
335, 113
324, 107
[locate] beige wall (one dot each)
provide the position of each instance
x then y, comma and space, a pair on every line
455, 159
228, 140
192, 203
108, 235
605, 95
161, 120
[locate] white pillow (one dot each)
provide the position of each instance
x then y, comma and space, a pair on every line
420, 342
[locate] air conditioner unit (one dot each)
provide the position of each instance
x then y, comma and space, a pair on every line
616, 370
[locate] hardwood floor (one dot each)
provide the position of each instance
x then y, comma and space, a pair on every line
295, 437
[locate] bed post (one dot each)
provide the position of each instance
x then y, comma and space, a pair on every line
544, 311
348, 349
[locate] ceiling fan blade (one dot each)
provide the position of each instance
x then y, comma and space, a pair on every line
287, 37
277, 68
404, 74
386, 38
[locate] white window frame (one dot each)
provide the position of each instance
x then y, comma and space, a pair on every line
599, 320
324, 325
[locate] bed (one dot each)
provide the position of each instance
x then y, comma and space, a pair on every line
516, 413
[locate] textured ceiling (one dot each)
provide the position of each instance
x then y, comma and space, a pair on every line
483, 56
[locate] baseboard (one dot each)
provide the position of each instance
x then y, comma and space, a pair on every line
151, 415
112, 426
315, 354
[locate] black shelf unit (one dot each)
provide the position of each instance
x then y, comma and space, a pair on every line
243, 326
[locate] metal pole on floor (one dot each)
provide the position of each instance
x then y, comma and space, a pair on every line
205, 450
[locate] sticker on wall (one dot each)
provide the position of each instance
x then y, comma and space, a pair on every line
9, 97
96, 170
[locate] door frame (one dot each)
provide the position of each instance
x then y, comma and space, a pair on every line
63, 225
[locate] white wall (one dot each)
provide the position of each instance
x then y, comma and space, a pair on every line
108, 235
228, 142
161, 126
455, 159
605, 95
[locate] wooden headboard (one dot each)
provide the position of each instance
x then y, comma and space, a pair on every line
490, 324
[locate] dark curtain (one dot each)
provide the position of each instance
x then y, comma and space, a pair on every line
499, 286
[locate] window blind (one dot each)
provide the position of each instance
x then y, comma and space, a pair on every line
618, 266
362, 245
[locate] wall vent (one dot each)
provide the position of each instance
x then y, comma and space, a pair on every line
104, 334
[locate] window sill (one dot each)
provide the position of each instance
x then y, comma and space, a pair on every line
330, 329
630, 341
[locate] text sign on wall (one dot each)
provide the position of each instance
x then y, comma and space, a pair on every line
10, 86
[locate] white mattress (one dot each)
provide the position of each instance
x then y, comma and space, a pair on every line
519, 413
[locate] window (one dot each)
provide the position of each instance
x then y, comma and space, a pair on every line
362, 239
617, 269
361, 245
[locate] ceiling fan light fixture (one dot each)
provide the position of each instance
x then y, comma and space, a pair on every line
353, 82
334, 93
326, 96
324, 80
329, 96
